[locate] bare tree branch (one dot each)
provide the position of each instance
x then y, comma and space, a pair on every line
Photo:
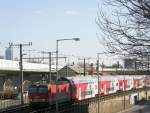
127, 25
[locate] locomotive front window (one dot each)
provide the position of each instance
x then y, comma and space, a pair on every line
43, 90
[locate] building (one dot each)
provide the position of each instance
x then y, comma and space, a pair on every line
9, 54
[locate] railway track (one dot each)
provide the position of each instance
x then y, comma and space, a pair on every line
16, 109
72, 106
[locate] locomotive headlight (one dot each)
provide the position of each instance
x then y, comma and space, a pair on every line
43, 99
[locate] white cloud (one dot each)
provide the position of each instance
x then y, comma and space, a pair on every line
70, 12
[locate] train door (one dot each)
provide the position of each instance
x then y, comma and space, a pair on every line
79, 94
95, 87
141, 82
102, 87
112, 86
147, 80
128, 84
105, 88
92, 89
108, 87
116, 85
123, 85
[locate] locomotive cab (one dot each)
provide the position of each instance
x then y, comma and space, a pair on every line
38, 95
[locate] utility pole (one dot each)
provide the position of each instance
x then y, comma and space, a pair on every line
148, 63
84, 65
21, 67
50, 64
135, 65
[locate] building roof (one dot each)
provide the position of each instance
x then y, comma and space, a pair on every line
76, 68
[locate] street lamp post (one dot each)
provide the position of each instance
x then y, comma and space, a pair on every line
50, 76
66, 67
99, 78
57, 42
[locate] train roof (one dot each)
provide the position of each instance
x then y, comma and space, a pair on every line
81, 79
89, 78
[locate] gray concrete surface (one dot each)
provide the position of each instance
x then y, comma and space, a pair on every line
140, 108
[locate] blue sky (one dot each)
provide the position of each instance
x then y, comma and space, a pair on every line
44, 21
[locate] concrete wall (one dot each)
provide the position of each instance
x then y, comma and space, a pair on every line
116, 104
110, 106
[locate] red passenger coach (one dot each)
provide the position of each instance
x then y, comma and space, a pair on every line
108, 85
79, 88
138, 81
104, 87
125, 82
83, 87
147, 80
